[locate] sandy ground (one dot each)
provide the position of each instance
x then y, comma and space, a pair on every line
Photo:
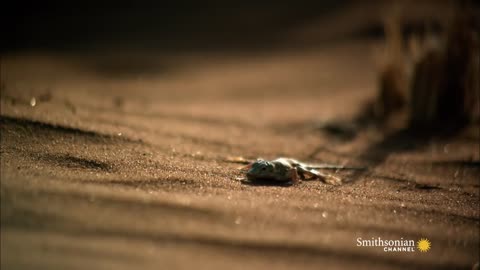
120, 165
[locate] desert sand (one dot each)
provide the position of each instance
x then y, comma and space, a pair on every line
109, 167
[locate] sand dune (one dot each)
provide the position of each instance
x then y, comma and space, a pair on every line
130, 172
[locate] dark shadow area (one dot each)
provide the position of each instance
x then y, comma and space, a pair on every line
146, 184
463, 163
72, 162
266, 183
32, 127
408, 184
400, 141
189, 25
406, 140
174, 25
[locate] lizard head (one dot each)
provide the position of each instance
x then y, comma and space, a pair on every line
261, 169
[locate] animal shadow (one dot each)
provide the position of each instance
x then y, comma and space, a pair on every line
266, 183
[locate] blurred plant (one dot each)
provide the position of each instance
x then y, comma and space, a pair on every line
432, 79
394, 73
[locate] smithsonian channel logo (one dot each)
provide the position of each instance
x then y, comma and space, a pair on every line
397, 245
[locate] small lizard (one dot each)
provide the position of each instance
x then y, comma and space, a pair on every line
287, 170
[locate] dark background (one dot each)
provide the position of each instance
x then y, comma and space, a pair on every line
154, 24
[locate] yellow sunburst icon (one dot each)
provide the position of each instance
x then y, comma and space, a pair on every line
424, 245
